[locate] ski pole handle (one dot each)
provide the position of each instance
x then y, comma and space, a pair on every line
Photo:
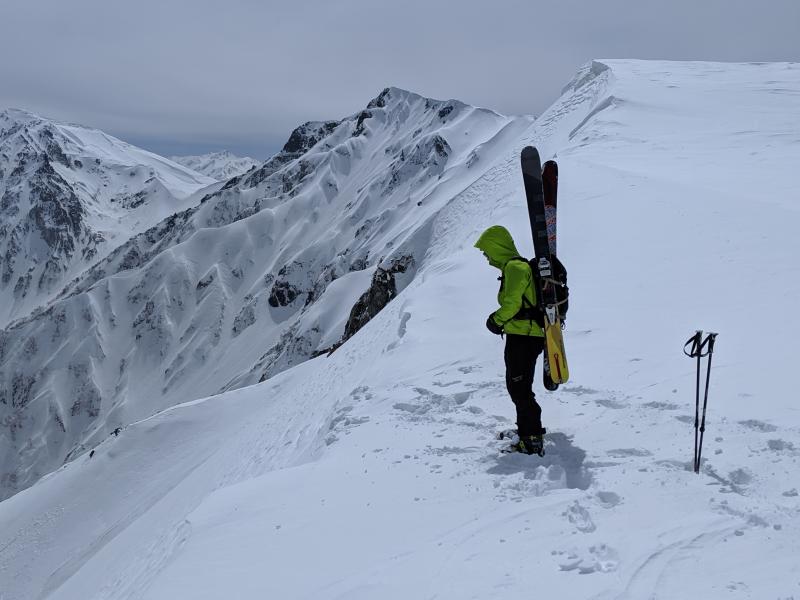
695, 342
712, 337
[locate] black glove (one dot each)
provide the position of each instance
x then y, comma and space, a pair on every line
492, 326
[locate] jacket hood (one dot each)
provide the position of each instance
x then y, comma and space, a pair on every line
498, 245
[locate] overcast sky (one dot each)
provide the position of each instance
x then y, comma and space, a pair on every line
191, 76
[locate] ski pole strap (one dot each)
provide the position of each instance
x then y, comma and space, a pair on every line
699, 346
695, 342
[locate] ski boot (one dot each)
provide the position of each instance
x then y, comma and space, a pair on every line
532, 444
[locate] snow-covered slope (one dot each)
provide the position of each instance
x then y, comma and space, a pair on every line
375, 473
219, 165
68, 196
279, 264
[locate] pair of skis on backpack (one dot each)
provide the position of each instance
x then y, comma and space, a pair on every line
541, 190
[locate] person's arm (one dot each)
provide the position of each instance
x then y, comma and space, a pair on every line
517, 278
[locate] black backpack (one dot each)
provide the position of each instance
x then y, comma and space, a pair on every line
558, 280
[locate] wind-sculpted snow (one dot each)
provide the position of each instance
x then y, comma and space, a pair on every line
233, 289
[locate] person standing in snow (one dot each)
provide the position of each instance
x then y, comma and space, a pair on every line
517, 318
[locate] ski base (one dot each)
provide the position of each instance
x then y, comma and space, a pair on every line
547, 381
556, 362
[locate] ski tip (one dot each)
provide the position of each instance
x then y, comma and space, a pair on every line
530, 152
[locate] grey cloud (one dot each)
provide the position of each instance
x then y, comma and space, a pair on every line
241, 74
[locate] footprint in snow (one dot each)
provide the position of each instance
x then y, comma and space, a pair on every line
442, 384
626, 452
781, 446
599, 558
661, 405
579, 390
608, 499
758, 425
609, 403
428, 403
580, 517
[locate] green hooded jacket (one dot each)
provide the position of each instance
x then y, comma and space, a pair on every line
498, 246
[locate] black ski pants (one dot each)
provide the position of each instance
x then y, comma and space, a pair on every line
520, 356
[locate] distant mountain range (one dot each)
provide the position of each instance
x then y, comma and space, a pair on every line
218, 165
69, 195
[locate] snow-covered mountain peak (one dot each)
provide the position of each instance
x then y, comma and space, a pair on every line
72, 145
220, 165
12, 116
395, 120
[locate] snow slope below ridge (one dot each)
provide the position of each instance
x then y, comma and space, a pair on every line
378, 465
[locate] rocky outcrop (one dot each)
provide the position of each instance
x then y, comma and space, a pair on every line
382, 290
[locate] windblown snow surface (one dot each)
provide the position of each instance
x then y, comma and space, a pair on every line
375, 472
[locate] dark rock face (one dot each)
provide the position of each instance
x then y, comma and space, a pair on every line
291, 349
283, 293
301, 140
307, 136
380, 101
287, 285
55, 210
362, 116
245, 318
132, 200
52, 229
20, 392
382, 290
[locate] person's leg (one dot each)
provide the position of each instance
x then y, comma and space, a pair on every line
535, 348
520, 357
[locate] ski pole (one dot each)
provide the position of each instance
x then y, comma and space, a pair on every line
695, 341
710, 341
